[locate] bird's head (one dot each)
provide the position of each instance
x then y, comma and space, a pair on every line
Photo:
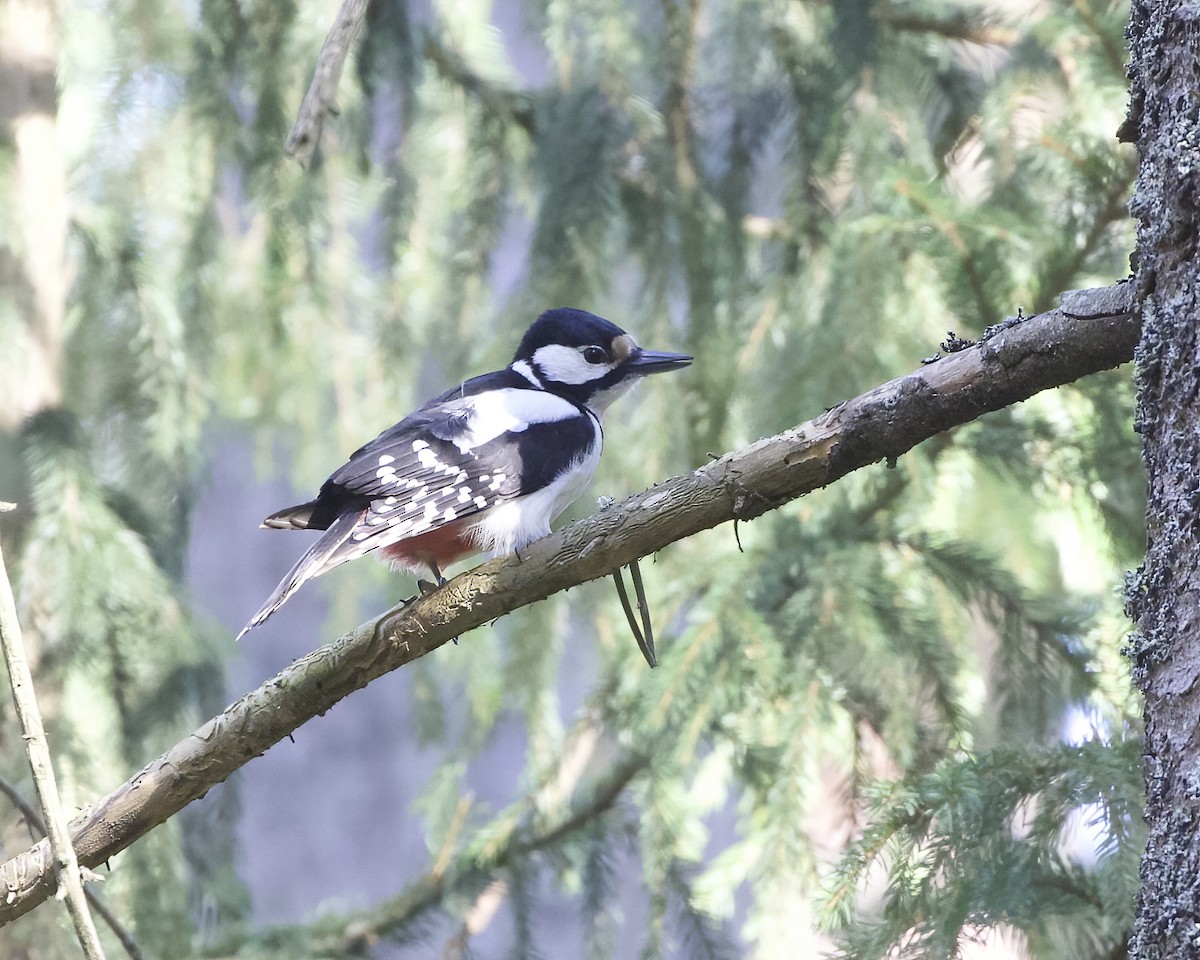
585, 358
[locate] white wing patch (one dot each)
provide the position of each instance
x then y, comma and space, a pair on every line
424, 484
507, 411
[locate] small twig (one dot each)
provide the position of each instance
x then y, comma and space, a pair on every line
476, 919
644, 609
34, 820
319, 100
509, 104
619, 580
953, 28
34, 734
645, 641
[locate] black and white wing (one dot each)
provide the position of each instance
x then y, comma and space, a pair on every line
468, 451
458, 457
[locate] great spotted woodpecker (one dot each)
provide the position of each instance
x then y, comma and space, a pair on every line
484, 467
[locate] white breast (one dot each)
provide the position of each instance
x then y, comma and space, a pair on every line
512, 525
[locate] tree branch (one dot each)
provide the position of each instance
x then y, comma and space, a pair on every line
319, 100
33, 818
965, 27
475, 866
502, 101
63, 861
1092, 330
554, 810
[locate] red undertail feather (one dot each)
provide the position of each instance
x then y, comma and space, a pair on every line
439, 547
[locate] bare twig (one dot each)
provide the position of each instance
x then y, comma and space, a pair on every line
24, 807
644, 635
526, 827
473, 867
639, 590
34, 819
36, 746
497, 99
1093, 330
476, 919
965, 27
322, 92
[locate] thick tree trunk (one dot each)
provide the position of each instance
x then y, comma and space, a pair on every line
1164, 597
32, 262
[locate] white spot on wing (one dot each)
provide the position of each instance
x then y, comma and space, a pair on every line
509, 526
385, 460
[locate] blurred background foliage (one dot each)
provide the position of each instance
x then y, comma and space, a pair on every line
904, 696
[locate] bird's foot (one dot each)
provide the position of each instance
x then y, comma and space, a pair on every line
426, 587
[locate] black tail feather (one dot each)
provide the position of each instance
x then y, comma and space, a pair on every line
291, 518
323, 555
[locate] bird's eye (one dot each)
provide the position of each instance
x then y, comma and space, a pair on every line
595, 355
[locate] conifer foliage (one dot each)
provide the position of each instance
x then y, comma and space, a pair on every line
890, 720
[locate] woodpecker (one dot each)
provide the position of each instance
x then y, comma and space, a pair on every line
485, 467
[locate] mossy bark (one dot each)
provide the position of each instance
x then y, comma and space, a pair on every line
1164, 595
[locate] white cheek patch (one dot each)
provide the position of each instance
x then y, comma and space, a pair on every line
566, 365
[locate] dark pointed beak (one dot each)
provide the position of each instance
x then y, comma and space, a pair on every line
653, 361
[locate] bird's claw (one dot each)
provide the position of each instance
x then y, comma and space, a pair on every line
439, 581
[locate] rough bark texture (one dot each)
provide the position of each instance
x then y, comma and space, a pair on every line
1092, 330
319, 102
1164, 596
